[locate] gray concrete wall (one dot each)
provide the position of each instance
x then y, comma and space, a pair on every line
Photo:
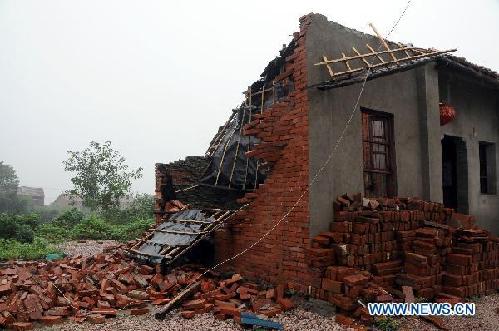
477, 120
412, 98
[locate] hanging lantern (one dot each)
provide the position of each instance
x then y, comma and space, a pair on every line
447, 113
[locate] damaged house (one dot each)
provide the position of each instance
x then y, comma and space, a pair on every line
400, 121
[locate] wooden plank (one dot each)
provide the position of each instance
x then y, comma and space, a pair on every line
186, 293
383, 42
356, 57
182, 232
192, 221
238, 144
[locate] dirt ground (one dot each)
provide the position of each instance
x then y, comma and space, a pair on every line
486, 318
312, 315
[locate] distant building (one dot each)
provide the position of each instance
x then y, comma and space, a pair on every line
34, 193
67, 201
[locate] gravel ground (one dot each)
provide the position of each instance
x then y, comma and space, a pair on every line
486, 318
297, 319
86, 248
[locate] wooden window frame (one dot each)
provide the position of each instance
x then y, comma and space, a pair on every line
487, 168
368, 141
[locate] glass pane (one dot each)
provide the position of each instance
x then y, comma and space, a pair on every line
378, 129
379, 161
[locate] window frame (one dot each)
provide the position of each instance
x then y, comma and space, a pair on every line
387, 140
487, 167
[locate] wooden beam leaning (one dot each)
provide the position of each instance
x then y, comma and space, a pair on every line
223, 157
262, 103
249, 144
160, 314
383, 42
237, 148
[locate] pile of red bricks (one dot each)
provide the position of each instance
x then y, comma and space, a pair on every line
229, 297
376, 246
81, 288
471, 269
95, 288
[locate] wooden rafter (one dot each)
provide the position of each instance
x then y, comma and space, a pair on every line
411, 54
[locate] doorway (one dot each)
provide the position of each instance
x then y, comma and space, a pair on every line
455, 173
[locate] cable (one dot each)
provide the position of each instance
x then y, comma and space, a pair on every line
321, 169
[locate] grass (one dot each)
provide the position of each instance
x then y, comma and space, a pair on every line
13, 249
386, 323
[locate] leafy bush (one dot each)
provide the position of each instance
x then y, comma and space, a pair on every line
92, 227
18, 227
68, 219
38, 249
386, 324
132, 230
53, 233
140, 208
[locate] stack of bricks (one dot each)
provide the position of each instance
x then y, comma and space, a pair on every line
401, 242
423, 261
344, 286
472, 268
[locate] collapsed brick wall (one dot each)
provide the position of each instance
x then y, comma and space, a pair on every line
283, 131
375, 254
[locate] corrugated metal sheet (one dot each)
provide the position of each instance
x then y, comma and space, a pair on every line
180, 232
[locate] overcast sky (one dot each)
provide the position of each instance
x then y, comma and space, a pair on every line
157, 78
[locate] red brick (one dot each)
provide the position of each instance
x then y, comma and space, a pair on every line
231, 311
104, 311
21, 326
344, 320
159, 302
139, 311
358, 279
5, 289
459, 259
188, 314
408, 294
286, 304
332, 286
96, 318
50, 320
194, 304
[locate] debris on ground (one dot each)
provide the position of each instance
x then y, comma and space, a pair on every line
95, 288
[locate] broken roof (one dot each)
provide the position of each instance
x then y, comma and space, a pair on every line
176, 236
391, 57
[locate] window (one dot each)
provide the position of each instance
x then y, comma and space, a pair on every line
487, 157
378, 150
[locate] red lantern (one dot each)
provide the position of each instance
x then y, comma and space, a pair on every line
447, 113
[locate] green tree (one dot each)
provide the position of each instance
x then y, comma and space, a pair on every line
101, 176
8, 178
9, 202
